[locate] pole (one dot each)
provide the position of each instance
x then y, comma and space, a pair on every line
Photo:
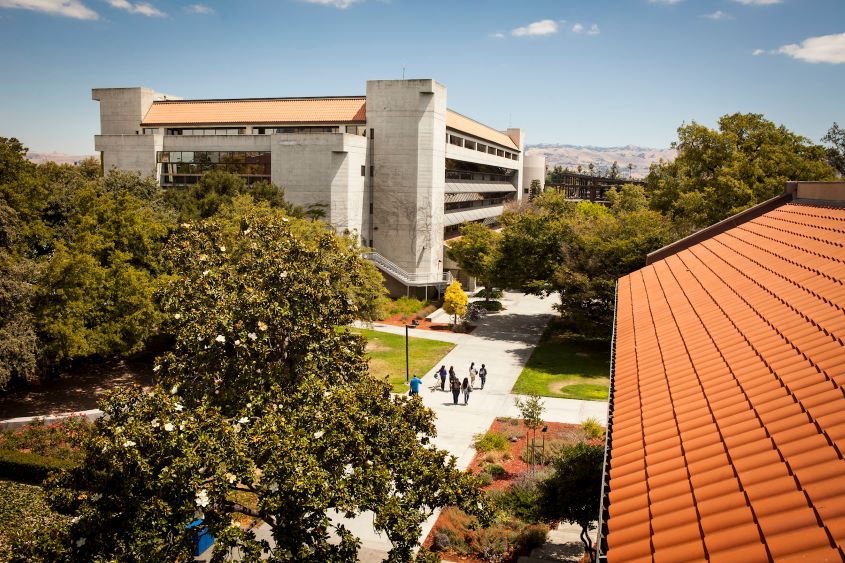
406, 354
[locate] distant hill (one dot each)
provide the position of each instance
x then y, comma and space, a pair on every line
57, 157
602, 157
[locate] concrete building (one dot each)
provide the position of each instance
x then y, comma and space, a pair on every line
396, 167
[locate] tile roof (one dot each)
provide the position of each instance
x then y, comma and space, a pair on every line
728, 426
469, 126
258, 111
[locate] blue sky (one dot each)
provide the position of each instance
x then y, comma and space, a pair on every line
587, 72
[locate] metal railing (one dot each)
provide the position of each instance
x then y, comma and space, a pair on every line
437, 279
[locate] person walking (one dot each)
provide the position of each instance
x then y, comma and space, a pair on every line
467, 387
482, 374
472, 374
455, 386
442, 378
415, 385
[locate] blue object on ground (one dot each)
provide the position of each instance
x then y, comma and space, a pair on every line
202, 539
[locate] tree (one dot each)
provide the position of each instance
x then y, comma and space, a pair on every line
265, 408
531, 408
535, 189
455, 300
573, 492
835, 138
475, 252
718, 173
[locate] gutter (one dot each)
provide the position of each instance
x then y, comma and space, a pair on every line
601, 541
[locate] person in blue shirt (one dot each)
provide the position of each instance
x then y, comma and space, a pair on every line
415, 385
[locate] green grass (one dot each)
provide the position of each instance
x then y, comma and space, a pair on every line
567, 369
387, 357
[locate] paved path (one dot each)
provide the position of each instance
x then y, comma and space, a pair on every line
504, 342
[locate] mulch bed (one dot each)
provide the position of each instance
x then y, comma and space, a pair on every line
76, 390
514, 466
424, 324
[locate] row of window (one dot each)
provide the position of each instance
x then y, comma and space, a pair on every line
454, 230
264, 130
204, 132
476, 146
241, 168
486, 202
170, 180
214, 157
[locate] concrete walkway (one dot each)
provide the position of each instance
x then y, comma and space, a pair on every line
504, 342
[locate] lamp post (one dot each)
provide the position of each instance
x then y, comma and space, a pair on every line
406, 354
543, 454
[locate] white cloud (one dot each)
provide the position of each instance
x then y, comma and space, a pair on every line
139, 8
498, 35
718, 15
340, 4
758, 52
822, 49
199, 9
669, 2
542, 27
758, 2
67, 8
577, 28
594, 30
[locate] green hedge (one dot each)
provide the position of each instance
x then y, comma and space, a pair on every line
27, 467
492, 306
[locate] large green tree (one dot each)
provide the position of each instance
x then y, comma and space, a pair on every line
719, 172
475, 252
835, 140
263, 397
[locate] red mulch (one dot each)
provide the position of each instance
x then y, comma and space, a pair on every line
515, 467
424, 324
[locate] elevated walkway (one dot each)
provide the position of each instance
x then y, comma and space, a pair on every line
434, 279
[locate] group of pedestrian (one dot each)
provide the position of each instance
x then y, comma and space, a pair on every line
456, 386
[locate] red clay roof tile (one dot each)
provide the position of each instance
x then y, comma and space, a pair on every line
729, 398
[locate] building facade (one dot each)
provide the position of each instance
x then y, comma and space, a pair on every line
396, 167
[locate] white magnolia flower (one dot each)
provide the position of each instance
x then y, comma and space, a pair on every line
177, 316
168, 427
80, 542
237, 342
200, 338
283, 275
222, 249
181, 427
220, 338
179, 407
252, 336
273, 487
262, 326
230, 477
174, 389
202, 498
205, 272
95, 497
105, 448
154, 423
285, 219
247, 231
243, 420
237, 427
319, 434
128, 444
156, 367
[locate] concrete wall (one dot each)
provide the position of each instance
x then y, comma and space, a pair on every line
533, 168
135, 153
123, 109
408, 120
324, 169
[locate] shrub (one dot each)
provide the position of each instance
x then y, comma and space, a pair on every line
426, 311
520, 499
55, 439
491, 293
496, 470
25, 518
509, 420
406, 306
532, 536
28, 467
490, 441
593, 429
441, 541
485, 478
489, 305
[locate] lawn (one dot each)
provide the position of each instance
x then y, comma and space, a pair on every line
567, 369
387, 356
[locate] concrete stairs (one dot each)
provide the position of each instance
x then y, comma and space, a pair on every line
436, 279
562, 545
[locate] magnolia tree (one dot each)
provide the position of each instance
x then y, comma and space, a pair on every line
265, 408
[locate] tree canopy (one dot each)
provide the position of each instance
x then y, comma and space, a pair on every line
475, 252
719, 172
835, 140
455, 300
261, 397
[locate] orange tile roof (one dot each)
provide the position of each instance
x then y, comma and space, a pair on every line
728, 426
259, 111
469, 126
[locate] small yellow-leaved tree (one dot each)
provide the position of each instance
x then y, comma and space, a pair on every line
455, 300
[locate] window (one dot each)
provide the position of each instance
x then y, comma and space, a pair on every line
500, 152
205, 131
186, 167
469, 144
372, 171
371, 208
491, 150
372, 133
363, 170
150, 130
481, 148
